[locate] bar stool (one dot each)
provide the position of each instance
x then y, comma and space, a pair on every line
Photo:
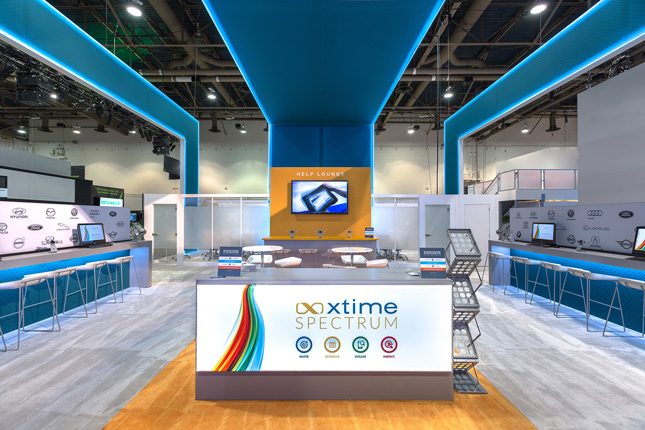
590, 277
637, 285
527, 268
497, 257
70, 271
19, 286
578, 273
118, 269
95, 267
537, 282
53, 296
557, 270
309, 251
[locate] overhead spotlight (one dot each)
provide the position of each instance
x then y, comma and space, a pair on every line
134, 8
241, 128
76, 130
525, 129
211, 95
413, 129
132, 130
21, 130
53, 95
448, 94
538, 8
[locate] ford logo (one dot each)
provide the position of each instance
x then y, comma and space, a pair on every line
50, 212
19, 243
626, 214
112, 213
35, 227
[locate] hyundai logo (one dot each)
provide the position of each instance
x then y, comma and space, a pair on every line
50, 212
571, 213
74, 212
533, 214
19, 243
35, 227
595, 212
625, 244
3, 227
18, 213
571, 239
626, 214
112, 214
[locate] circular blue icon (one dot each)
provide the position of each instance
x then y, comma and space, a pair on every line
303, 344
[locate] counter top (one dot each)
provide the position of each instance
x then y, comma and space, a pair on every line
609, 258
33, 258
349, 239
327, 276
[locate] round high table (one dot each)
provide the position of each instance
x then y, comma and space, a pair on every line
352, 250
262, 250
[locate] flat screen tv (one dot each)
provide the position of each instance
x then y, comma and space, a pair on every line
543, 233
639, 242
91, 234
319, 197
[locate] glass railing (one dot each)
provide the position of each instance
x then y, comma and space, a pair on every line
528, 179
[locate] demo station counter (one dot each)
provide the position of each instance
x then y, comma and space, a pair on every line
619, 265
324, 334
15, 267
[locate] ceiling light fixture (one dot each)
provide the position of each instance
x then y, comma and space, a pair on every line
413, 129
53, 96
448, 94
134, 8
211, 95
76, 130
241, 128
525, 130
538, 9
132, 131
21, 130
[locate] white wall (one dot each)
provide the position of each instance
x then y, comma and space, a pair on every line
234, 163
550, 158
612, 140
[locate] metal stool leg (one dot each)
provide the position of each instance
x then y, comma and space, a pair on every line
136, 275
80, 291
611, 307
562, 288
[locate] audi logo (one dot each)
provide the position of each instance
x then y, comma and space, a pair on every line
50, 212
3, 226
571, 213
35, 227
95, 212
595, 212
74, 211
19, 243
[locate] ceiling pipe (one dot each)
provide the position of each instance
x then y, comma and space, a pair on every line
167, 15
466, 24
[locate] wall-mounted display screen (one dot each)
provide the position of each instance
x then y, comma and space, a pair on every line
319, 197
639, 242
543, 232
91, 234
107, 201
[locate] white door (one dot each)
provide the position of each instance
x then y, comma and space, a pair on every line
437, 225
477, 219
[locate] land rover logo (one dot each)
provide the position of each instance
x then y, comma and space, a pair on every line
625, 244
626, 214
112, 214
3, 227
112, 234
571, 239
74, 211
35, 227
19, 243
50, 212
551, 214
571, 213
120, 224
595, 212
18, 213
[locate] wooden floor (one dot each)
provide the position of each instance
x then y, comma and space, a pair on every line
168, 402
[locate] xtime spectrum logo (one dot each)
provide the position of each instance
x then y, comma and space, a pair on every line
346, 315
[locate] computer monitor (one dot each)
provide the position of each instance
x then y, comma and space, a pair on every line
639, 242
133, 217
91, 234
543, 233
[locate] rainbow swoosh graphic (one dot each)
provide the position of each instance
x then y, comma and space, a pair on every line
246, 347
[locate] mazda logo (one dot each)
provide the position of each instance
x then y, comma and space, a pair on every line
571, 213
112, 234
19, 243
3, 226
626, 214
50, 212
113, 213
74, 211
571, 239
625, 244
596, 212
35, 227
19, 211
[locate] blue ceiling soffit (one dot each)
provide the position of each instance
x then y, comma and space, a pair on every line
37, 28
611, 26
325, 62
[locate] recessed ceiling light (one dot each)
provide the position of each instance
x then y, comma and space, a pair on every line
76, 130
413, 128
134, 9
538, 8
211, 95
525, 130
53, 96
21, 130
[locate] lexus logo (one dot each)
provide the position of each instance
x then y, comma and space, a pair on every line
571, 213
626, 214
595, 212
50, 212
112, 214
74, 211
3, 227
112, 234
35, 227
19, 243
571, 239
625, 244
551, 214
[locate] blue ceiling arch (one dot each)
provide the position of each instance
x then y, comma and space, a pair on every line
323, 62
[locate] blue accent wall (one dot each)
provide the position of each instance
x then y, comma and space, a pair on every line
607, 28
36, 26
